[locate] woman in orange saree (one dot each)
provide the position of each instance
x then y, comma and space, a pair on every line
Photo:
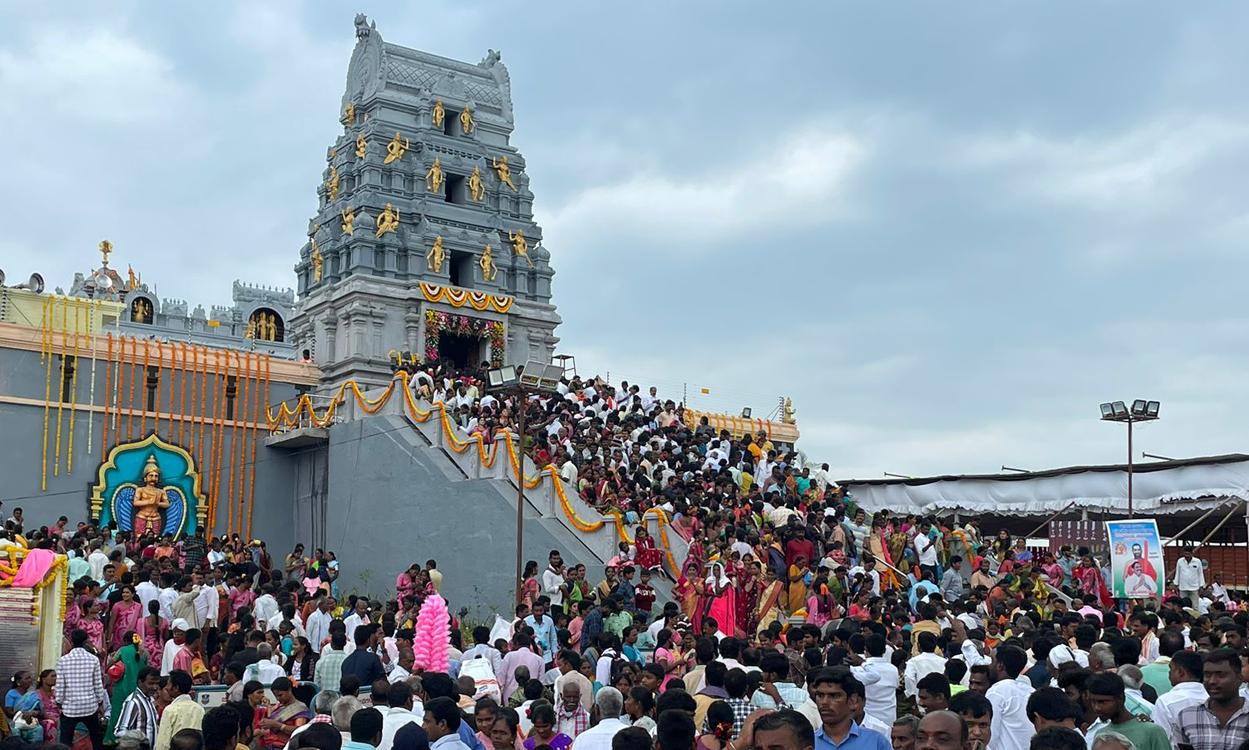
768, 610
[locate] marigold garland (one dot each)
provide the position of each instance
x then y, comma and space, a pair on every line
95, 348
73, 387
108, 385
47, 388
60, 387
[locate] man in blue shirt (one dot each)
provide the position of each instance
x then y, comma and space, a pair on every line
543, 629
832, 689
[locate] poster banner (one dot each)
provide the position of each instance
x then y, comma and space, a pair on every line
1136, 567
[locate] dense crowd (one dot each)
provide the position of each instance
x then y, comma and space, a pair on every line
798, 620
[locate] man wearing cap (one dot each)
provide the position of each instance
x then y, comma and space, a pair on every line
1190, 578
173, 646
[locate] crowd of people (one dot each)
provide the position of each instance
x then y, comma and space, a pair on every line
797, 620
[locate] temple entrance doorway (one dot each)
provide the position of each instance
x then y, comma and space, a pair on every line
464, 351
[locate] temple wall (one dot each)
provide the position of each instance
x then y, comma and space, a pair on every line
23, 380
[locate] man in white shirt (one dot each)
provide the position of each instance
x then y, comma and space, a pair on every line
1190, 577
97, 560
926, 549
173, 646
482, 648
396, 714
265, 606
599, 737
553, 580
880, 681
319, 623
358, 617
146, 590
167, 595
1186, 690
922, 664
867, 570
1011, 729
263, 671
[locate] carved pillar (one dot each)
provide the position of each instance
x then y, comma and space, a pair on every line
330, 322
412, 331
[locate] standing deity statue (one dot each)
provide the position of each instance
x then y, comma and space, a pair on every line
331, 184
397, 147
439, 114
488, 269
387, 220
476, 185
435, 256
505, 172
149, 500
433, 178
348, 219
349, 114
317, 263
361, 146
141, 311
467, 123
250, 331
520, 247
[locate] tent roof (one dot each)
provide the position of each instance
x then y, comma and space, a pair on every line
1158, 487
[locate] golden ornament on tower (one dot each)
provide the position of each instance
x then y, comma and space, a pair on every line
435, 256
387, 220
467, 123
476, 185
433, 178
488, 270
505, 172
397, 147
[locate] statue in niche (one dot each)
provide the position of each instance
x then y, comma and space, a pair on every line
397, 147
149, 500
361, 146
505, 172
331, 184
433, 178
488, 269
141, 310
520, 246
387, 220
439, 115
317, 263
349, 114
476, 185
348, 219
435, 256
467, 123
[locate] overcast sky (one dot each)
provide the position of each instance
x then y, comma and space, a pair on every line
947, 232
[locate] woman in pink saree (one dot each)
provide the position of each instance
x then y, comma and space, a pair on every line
152, 629
721, 599
124, 616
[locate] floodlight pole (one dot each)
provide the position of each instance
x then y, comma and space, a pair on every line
1130, 420
520, 491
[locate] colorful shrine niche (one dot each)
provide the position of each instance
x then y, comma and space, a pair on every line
149, 487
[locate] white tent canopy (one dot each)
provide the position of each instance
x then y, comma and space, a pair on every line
1159, 487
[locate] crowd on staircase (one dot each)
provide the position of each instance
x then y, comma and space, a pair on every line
798, 620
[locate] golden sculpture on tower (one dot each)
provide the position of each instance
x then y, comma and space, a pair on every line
788, 415
349, 219
505, 172
488, 270
476, 185
149, 500
467, 123
433, 178
106, 248
349, 114
317, 263
397, 147
435, 256
331, 184
439, 114
250, 331
361, 146
520, 247
387, 220
141, 311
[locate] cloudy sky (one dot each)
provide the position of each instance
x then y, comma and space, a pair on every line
947, 231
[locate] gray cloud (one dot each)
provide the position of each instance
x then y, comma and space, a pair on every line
946, 232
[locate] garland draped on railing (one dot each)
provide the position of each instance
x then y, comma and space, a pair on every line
287, 417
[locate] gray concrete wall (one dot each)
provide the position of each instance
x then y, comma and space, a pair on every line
22, 375
396, 500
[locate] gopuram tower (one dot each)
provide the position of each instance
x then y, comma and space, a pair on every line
424, 241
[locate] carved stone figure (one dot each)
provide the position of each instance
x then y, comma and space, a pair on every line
467, 123
348, 219
433, 177
331, 184
439, 114
435, 256
361, 146
505, 172
476, 185
488, 269
149, 500
520, 247
387, 220
397, 147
